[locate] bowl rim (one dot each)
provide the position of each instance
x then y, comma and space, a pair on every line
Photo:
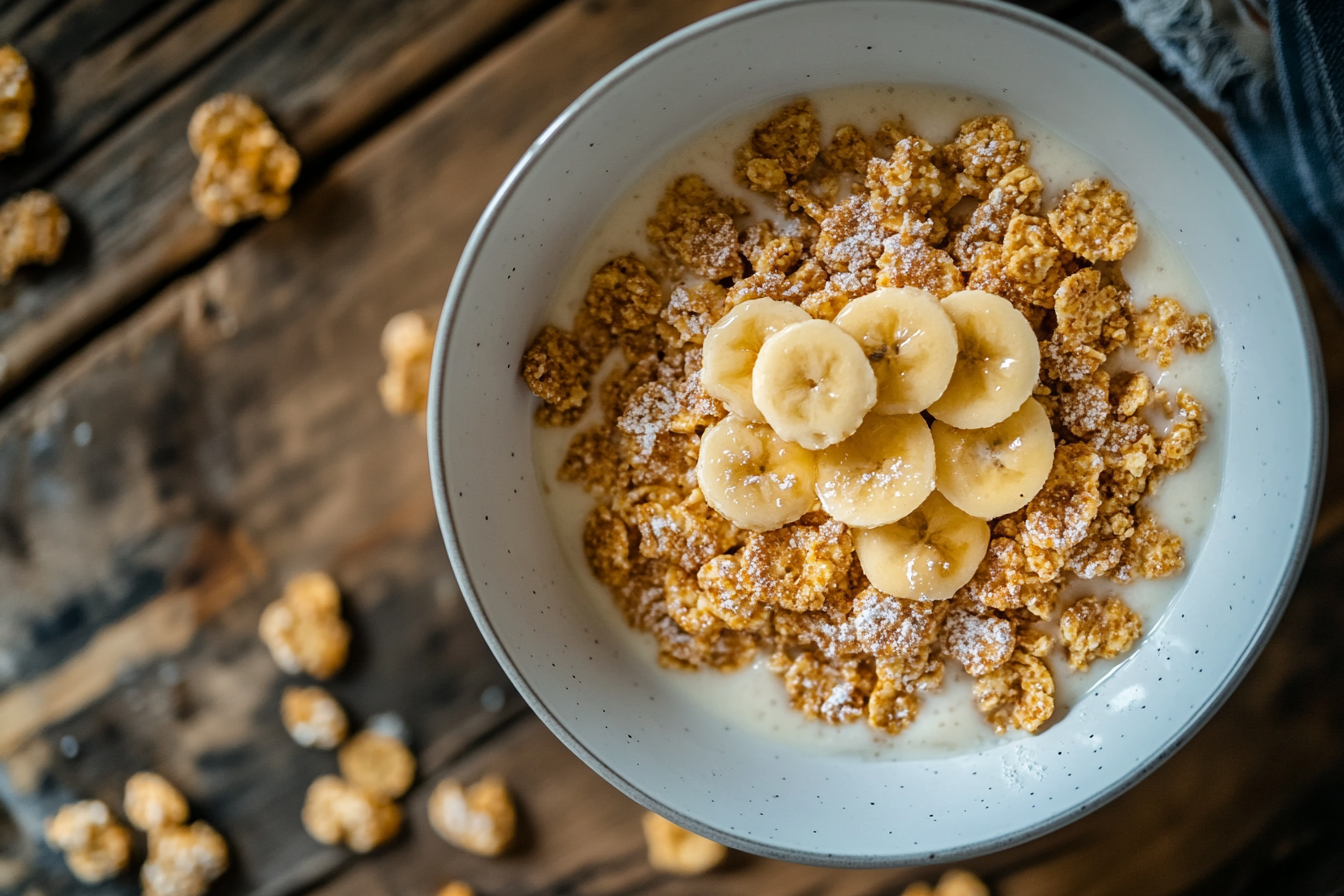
1284, 589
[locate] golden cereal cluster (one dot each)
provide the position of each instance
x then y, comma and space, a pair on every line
408, 346
184, 859
16, 100
675, 850
246, 168
479, 818
852, 214
95, 844
304, 629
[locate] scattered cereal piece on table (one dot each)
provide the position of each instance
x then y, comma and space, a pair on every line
304, 630
313, 718
246, 167
480, 818
456, 888
183, 860
33, 229
96, 845
338, 812
408, 346
16, 100
675, 850
377, 763
151, 802
955, 882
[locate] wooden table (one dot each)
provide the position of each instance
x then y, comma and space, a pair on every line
188, 417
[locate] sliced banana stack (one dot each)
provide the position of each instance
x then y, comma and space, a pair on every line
880, 474
998, 361
813, 383
927, 555
731, 346
753, 477
910, 342
997, 469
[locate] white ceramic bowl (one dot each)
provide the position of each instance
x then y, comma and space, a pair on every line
619, 714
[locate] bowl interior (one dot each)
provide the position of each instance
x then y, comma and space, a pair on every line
619, 714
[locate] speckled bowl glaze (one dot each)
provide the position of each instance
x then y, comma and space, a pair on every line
619, 714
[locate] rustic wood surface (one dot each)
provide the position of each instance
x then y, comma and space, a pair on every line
229, 436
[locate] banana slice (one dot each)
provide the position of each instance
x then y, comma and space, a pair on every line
998, 469
910, 342
879, 474
731, 346
927, 555
998, 361
753, 477
813, 383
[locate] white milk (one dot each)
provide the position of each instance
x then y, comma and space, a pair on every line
948, 724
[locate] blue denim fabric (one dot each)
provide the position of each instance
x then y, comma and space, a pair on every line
1288, 127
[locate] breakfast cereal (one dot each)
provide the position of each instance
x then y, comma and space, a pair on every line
480, 818
183, 860
336, 811
675, 850
313, 718
152, 803
304, 629
377, 763
33, 229
16, 100
96, 845
246, 168
823, 224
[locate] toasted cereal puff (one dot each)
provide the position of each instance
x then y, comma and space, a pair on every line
246, 167
675, 850
33, 229
16, 100
407, 345
336, 811
183, 860
480, 818
313, 718
304, 630
456, 888
152, 803
95, 844
378, 763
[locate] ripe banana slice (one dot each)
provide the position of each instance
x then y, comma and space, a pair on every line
998, 361
813, 383
731, 346
927, 555
753, 477
998, 469
910, 342
879, 474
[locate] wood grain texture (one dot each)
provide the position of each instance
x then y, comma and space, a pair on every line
234, 438
323, 78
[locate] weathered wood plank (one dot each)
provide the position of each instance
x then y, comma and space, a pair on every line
238, 409
234, 438
323, 77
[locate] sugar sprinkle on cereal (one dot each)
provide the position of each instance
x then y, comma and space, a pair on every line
855, 213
